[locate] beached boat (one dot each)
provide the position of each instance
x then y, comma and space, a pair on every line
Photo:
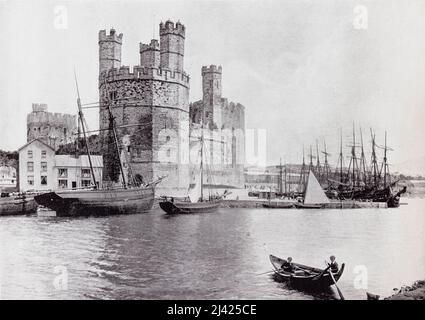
304, 276
127, 199
20, 204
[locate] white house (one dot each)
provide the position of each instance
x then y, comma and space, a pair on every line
41, 169
36, 162
7, 177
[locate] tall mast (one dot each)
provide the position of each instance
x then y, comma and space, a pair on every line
310, 167
318, 161
340, 157
385, 161
114, 131
326, 165
302, 177
354, 157
202, 160
374, 164
81, 118
363, 161
280, 177
286, 187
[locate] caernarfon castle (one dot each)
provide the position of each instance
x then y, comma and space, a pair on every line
159, 128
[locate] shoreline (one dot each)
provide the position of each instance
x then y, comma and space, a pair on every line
414, 292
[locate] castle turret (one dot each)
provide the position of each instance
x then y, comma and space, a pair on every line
211, 89
150, 54
172, 45
109, 50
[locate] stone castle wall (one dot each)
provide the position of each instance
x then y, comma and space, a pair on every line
54, 129
227, 122
153, 101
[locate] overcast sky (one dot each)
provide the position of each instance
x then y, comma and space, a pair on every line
302, 69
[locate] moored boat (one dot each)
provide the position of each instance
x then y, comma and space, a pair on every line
20, 204
305, 276
194, 202
128, 199
98, 201
314, 196
279, 205
185, 207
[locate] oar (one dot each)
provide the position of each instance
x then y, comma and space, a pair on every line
339, 291
259, 274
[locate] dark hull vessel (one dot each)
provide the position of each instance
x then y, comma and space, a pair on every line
98, 201
186, 207
305, 276
308, 206
17, 205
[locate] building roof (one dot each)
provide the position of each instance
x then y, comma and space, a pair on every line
66, 160
42, 142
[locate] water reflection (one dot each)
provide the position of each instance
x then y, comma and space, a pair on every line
210, 256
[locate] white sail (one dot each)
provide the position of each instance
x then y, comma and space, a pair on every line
314, 193
195, 192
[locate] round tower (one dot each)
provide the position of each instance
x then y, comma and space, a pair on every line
172, 45
109, 50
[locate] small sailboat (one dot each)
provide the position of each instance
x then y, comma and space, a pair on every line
314, 196
195, 201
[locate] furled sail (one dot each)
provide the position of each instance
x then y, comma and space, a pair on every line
314, 193
195, 189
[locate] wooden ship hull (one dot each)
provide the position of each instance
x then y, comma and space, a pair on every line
306, 277
279, 205
300, 205
98, 201
17, 205
186, 207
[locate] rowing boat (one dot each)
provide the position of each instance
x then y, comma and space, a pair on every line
278, 205
304, 276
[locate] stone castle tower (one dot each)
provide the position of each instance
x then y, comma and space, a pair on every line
226, 121
55, 129
150, 104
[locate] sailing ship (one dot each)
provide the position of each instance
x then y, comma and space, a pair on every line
95, 200
357, 182
195, 201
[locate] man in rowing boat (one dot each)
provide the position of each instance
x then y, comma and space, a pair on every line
287, 266
333, 265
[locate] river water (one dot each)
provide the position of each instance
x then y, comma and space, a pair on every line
208, 256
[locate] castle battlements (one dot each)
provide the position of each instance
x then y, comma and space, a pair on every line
112, 36
143, 73
39, 107
169, 27
154, 45
211, 68
50, 117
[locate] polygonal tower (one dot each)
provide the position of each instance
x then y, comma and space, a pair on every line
172, 45
150, 105
109, 50
211, 90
